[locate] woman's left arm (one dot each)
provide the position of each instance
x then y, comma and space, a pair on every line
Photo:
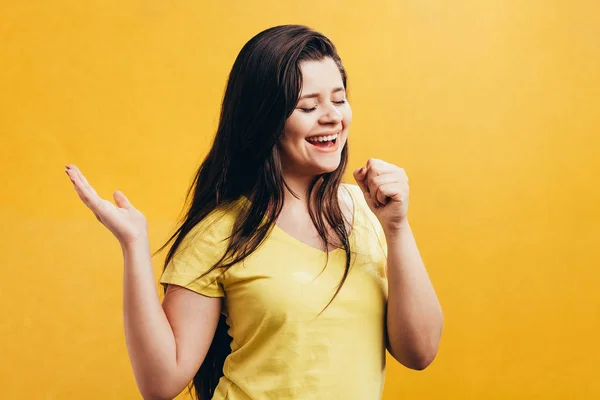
414, 315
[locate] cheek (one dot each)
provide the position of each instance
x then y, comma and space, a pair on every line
347, 117
292, 139
297, 128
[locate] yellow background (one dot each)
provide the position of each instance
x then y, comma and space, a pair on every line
492, 107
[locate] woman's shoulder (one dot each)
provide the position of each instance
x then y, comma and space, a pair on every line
353, 188
362, 210
219, 222
357, 197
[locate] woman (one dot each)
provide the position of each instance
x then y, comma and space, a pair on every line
282, 282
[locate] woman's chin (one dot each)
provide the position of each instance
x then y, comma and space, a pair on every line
326, 168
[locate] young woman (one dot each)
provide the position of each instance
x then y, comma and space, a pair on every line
282, 282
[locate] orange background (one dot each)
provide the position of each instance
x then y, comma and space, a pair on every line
492, 108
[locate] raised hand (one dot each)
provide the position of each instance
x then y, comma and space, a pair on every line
386, 190
124, 221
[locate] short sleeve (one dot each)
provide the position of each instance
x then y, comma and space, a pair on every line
200, 249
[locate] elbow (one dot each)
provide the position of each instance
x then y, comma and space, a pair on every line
416, 360
421, 362
425, 355
152, 394
416, 351
156, 391
415, 354
155, 395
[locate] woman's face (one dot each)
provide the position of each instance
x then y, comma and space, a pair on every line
316, 132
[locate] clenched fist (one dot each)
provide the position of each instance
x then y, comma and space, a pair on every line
385, 187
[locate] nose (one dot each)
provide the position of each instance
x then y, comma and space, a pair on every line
331, 115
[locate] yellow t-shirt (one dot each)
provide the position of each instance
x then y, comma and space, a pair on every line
280, 348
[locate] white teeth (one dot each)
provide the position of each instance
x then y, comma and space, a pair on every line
323, 138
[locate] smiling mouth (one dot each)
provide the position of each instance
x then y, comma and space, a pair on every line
323, 141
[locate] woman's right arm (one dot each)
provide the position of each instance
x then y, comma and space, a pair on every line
168, 343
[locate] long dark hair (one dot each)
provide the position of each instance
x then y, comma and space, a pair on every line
262, 92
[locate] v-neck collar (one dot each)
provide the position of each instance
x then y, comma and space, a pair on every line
293, 239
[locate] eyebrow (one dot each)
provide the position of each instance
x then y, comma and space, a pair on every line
311, 95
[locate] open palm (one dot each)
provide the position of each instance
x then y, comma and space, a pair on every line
124, 221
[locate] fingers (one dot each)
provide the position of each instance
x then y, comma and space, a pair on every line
376, 183
360, 175
371, 177
384, 192
380, 166
122, 200
87, 194
378, 179
86, 186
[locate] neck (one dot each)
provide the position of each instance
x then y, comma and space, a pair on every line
299, 184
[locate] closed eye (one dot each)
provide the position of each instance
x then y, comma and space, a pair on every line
308, 110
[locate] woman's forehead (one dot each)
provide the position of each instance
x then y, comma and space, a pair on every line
320, 76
